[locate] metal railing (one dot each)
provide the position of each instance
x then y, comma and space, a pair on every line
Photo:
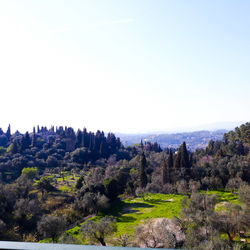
12, 245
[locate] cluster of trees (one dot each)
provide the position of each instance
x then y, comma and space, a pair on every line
54, 147
107, 171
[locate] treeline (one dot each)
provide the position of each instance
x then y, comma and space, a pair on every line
49, 148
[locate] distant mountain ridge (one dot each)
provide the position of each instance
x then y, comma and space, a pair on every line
194, 140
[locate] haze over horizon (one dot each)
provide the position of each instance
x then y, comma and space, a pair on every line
124, 66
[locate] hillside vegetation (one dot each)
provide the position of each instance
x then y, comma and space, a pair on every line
88, 188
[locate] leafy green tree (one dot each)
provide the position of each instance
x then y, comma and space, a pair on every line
30, 173
112, 188
13, 148
44, 185
96, 231
79, 183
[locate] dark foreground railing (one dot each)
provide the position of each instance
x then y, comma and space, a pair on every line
47, 246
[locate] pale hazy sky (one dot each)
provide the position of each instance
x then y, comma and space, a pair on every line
127, 66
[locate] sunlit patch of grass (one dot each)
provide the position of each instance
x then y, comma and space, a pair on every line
130, 213
65, 188
223, 198
153, 206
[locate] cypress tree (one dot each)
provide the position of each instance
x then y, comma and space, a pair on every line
79, 138
141, 145
33, 140
8, 132
142, 172
177, 160
170, 161
191, 159
184, 163
165, 171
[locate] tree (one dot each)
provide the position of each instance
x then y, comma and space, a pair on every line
184, 161
13, 148
80, 155
199, 214
30, 173
26, 213
96, 231
26, 141
79, 183
44, 185
244, 197
165, 172
155, 235
142, 172
182, 187
170, 161
91, 203
112, 188
8, 132
50, 226
177, 160
229, 221
2, 229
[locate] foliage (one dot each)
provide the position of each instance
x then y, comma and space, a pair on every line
97, 231
142, 172
50, 226
155, 235
30, 172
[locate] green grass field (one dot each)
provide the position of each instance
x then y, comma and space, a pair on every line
132, 212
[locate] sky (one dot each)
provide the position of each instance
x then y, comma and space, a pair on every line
124, 66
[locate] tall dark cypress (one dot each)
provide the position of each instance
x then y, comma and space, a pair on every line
141, 145
170, 161
8, 132
142, 172
177, 160
184, 163
79, 138
165, 171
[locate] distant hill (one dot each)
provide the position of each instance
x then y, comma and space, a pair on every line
194, 140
